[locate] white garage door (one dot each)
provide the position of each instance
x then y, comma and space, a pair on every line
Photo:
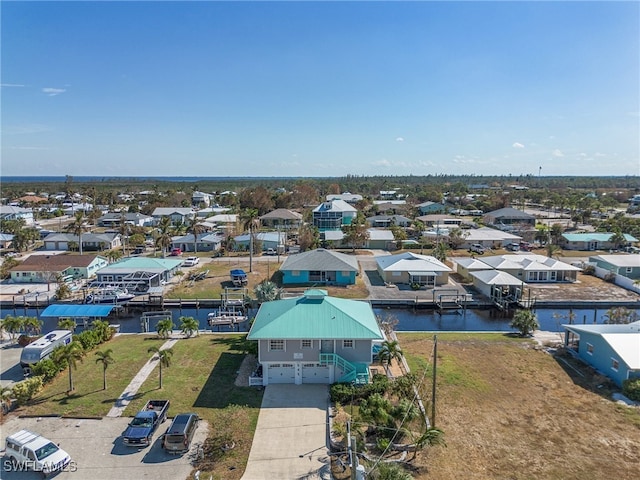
281, 373
314, 373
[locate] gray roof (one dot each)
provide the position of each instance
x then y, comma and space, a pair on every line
509, 213
321, 259
282, 214
86, 237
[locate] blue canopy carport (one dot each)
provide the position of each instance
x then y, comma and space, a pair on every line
77, 311
84, 315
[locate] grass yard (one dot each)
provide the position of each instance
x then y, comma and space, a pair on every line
511, 411
88, 398
200, 379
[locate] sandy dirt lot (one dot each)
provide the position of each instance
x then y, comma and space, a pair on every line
510, 411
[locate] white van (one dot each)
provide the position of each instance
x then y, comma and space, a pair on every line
26, 450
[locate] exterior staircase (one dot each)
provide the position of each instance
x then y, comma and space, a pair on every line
351, 372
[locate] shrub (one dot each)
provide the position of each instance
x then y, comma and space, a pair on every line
24, 340
25, 390
589, 270
610, 277
89, 339
47, 369
415, 286
631, 389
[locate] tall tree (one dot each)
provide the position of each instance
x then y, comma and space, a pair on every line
70, 354
195, 228
163, 240
250, 222
106, 359
164, 358
77, 227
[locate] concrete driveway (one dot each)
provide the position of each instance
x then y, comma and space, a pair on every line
291, 436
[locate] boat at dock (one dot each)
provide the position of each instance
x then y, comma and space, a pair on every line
226, 317
117, 296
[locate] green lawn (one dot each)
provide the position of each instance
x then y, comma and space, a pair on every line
88, 398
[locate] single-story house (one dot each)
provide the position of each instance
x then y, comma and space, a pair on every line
49, 268
488, 237
440, 220
114, 219
533, 268
333, 215
133, 271
5, 240
90, 241
8, 212
592, 241
223, 220
426, 208
176, 214
504, 218
409, 267
613, 350
345, 197
465, 266
206, 242
282, 218
385, 221
268, 239
315, 338
625, 265
376, 239
320, 266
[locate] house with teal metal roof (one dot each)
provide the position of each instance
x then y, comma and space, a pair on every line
315, 338
593, 241
139, 270
613, 350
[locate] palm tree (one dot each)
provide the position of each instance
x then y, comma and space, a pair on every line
106, 359
188, 326
440, 250
13, 325
32, 326
113, 255
164, 357
164, 328
267, 291
389, 351
164, 235
78, 227
390, 471
526, 321
196, 229
67, 324
431, 437
70, 353
552, 249
250, 221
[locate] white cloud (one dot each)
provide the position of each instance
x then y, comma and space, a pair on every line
557, 153
517, 145
399, 139
382, 163
11, 85
52, 92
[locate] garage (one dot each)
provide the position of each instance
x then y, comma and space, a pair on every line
315, 373
280, 373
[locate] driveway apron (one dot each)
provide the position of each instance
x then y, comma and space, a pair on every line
290, 441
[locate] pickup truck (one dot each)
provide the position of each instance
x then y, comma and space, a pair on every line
140, 431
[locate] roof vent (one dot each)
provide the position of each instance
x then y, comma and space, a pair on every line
315, 294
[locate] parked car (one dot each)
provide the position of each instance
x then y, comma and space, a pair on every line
191, 262
139, 433
513, 247
270, 251
477, 248
34, 452
180, 433
176, 251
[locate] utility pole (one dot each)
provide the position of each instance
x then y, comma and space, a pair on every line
433, 390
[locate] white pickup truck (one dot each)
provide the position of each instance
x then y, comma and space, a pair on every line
26, 450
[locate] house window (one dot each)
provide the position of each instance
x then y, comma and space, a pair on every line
589, 349
629, 269
347, 344
276, 345
307, 344
396, 274
615, 364
295, 273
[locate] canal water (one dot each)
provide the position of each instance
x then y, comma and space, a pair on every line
406, 319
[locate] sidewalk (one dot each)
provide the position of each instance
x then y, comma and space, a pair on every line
136, 383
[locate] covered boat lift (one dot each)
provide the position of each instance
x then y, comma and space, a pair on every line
86, 313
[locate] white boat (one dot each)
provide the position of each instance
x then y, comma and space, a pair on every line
226, 317
115, 296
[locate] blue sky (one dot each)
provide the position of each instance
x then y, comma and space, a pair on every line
320, 89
